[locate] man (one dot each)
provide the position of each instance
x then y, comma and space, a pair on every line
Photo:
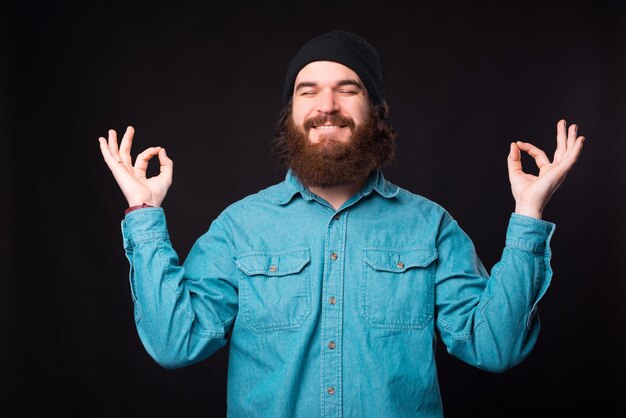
334, 284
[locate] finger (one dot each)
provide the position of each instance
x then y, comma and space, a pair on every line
573, 152
116, 168
113, 144
106, 152
561, 139
141, 162
125, 146
540, 157
572, 134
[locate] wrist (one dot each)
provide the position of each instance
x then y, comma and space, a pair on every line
135, 207
527, 211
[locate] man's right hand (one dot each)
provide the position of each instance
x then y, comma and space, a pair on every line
136, 187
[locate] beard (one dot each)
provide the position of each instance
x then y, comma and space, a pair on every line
330, 161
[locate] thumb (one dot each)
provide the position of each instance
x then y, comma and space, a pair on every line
166, 166
514, 159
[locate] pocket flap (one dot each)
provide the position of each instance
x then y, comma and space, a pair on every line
279, 263
398, 259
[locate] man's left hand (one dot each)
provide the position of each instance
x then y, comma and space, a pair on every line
531, 193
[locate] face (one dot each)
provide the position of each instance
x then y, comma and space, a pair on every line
329, 101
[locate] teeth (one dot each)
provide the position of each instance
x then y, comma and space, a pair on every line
327, 127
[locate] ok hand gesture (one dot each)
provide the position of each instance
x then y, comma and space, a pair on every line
135, 186
532, 192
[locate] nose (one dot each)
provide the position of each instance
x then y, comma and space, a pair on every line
327, 103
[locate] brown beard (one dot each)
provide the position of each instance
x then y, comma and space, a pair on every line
331, 162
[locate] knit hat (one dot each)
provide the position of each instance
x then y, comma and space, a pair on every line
345, 48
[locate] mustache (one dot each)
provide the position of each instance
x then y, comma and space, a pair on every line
332, 119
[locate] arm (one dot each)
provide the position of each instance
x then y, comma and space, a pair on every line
490, 320
182, 313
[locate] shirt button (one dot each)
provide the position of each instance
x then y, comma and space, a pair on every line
273, 268
331, 390
400, 265
336, 217
334, 256
332, 345
332, 300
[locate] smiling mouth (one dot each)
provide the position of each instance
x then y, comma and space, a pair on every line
329, 124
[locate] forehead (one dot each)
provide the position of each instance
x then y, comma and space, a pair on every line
323, 72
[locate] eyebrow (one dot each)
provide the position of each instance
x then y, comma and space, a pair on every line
349, 82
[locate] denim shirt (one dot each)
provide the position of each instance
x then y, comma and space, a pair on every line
335, 313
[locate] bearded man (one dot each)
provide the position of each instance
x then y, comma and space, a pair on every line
334, 285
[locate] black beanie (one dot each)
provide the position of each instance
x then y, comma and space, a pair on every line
345, 48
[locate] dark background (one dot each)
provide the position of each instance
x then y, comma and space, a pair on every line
205, 81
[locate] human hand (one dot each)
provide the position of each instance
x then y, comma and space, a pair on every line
531, 193
135, 186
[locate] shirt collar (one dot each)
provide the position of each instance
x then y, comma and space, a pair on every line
291, 186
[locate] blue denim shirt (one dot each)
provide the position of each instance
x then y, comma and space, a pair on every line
335, 313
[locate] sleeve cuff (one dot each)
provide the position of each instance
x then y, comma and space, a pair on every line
144, 225
529, 234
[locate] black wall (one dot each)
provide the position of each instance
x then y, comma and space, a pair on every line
205, 81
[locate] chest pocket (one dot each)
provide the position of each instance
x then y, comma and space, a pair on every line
274, 289
398, 287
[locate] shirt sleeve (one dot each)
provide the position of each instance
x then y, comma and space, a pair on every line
182, 312
490, 320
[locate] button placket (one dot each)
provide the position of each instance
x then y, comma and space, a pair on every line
332, 315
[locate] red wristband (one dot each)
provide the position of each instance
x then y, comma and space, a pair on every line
143, 205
